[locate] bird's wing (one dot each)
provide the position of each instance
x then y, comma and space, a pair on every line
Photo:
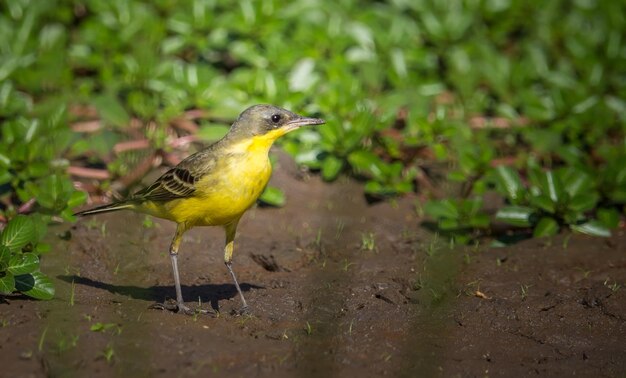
178, 182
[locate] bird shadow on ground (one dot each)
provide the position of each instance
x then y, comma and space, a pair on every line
206, 293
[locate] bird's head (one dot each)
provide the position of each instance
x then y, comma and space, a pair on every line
270, 122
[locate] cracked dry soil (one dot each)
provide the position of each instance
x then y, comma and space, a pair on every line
322, 304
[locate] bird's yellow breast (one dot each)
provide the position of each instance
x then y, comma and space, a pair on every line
227, 191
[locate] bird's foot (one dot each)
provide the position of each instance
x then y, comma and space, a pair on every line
244, 310
179, 307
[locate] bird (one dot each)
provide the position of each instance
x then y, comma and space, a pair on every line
215, 186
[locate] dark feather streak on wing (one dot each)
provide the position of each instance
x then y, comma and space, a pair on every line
176, 183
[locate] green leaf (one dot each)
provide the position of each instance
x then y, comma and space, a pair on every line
42, 248
100, 327
543, 202
608, 217
442, 209
577, 182
618, 195
111, 110
273, 196
40, 222
546, 227
376, 188
520, 216
23, 263
7, 284
52, 192
366, 162
448, 224
19, 232
331, 166
5, 256
471, 206
593, 228
458, 176
302, 77
77, 198
480, 221
551, 186
5, 176
36, 285
511, 183
583, 202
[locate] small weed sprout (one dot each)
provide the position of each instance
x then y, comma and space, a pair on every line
613, 286
433, 246
346, 265
42, 339
66, 343
368, 241
318, 239
386, 356
72, 293
341, 224
419, 283
102, 327
244, 319
524, 291
147, 222
108, 353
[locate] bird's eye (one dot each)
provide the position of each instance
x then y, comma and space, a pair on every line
276, 118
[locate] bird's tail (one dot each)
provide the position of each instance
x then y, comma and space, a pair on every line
106, 208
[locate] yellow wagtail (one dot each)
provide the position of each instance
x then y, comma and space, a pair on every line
215, 186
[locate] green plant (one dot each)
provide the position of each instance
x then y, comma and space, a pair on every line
524, 291
66, 342
552, 199
614, 286
460, 219
72, 293
102, 327
612, 188
368, 241
19, 258
108, 353
383, 179
273, 196
474, 155
346, 265
42, 339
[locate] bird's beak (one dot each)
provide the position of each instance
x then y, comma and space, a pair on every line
298, 122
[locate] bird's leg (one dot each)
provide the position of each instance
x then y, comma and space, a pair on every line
231, 230
180, 304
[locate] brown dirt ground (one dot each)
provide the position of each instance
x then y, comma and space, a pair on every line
321, 304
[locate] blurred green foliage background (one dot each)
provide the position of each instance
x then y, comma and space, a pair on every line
524, 99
